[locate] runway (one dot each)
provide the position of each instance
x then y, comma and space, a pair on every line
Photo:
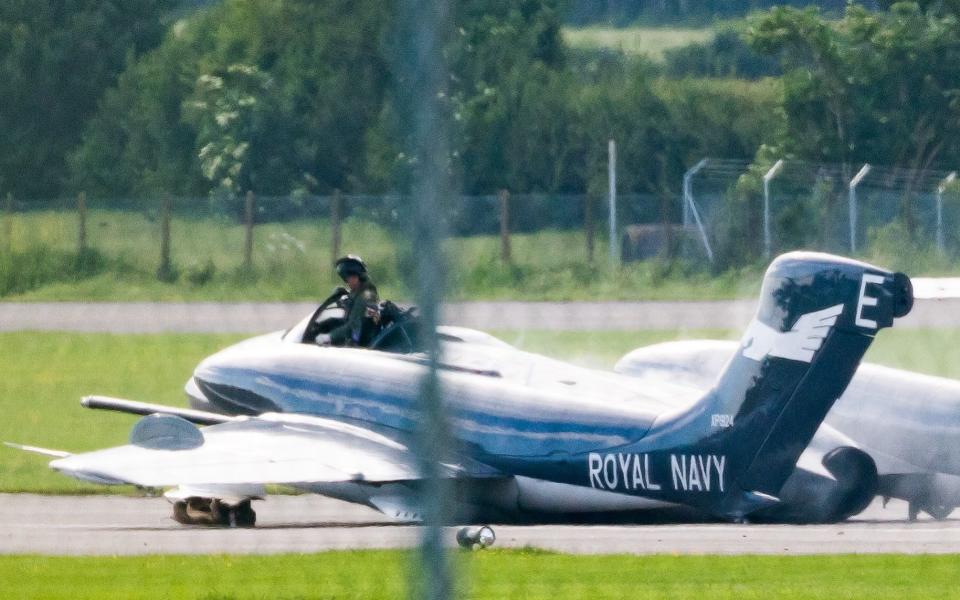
249, 317
114, 525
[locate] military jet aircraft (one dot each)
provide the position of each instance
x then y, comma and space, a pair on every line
535, 439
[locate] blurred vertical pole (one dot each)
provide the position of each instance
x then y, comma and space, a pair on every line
612, 180
588, 224
336, 211
81, 223
421, 30
504, 197
8, 222
248, 229
165, 271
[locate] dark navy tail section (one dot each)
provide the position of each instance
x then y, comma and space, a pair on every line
818, 315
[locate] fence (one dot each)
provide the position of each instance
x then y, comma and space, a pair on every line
198, 238
738, 211
728, 213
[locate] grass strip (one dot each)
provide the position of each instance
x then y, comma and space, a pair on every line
526, 574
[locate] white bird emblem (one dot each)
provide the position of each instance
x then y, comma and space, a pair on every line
800, 343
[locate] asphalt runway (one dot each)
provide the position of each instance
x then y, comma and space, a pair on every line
114, 525
234, 317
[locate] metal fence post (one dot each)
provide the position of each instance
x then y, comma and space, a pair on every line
8, 222
941, 246
767, 238
504, 198
612, 180
336, 214
687, 192
165, 270
852, 208
248, 230
690, 209
588, 225
81, 223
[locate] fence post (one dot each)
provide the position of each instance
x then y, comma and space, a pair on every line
588, 223
504, 197
690, 209
81, 223
941, 246
8, 222
852, 204
767, 237
165, 271
336, 212
248, 226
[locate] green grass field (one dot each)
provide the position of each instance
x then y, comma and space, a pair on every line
489, 574
45, 374
293, 261
649, 41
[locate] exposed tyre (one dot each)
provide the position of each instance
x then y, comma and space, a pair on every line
939, 512
180, 513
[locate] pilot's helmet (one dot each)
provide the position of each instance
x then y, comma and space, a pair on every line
351, 264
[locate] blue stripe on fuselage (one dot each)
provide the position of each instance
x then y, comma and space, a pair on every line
379, 404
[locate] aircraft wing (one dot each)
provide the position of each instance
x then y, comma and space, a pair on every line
167, 451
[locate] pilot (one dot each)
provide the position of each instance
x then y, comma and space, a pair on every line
360, 307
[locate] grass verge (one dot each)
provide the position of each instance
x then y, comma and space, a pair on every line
292, 261
648, 41
489, 574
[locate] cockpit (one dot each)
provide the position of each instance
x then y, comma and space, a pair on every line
386, 326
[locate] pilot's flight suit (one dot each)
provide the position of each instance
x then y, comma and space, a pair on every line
353, 332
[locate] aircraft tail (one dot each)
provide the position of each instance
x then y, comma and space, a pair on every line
817, 316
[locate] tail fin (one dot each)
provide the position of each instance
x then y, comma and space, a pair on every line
817, 316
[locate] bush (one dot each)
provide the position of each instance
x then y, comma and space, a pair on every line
40, 265
726, 55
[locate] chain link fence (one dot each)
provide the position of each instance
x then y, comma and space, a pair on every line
738, 212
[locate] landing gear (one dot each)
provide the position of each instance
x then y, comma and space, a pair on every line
471, 538
211, 511
938, 511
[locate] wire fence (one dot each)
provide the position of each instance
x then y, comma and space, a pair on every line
743, 211
729, 213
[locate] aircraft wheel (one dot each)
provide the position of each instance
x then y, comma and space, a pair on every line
939, 512
180, 513
200, 511
470, 538
242, 515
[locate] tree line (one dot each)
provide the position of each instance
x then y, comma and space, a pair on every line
141, 98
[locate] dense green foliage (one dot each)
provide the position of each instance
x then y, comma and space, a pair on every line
625, 12
872, 87
529, 574
56, 60
290, 96
302, 98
